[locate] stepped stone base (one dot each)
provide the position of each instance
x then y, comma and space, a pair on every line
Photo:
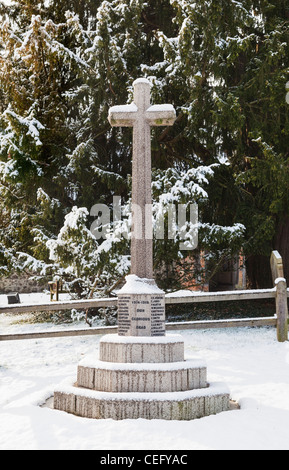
139, 349
115, 377
187, 405
142, 377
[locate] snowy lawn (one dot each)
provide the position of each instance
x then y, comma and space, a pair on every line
250, 361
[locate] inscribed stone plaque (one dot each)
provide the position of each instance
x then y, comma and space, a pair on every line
141, 315
141, 308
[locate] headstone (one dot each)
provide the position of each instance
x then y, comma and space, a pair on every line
13, 298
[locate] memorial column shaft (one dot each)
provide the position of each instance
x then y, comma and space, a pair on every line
142, 231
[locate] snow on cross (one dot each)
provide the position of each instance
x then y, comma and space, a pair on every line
141, 115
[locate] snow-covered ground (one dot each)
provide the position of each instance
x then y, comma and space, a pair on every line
249, 360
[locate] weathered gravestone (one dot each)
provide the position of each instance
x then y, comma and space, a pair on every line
141, 372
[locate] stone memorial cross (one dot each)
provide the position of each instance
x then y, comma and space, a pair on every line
141, 115
141, 304
135, 369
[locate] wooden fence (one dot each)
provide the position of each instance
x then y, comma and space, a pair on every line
279, 292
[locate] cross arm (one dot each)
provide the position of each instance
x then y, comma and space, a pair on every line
161, 115
122, 116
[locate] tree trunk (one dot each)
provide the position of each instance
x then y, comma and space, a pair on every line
258, 267
259, 272
281, 243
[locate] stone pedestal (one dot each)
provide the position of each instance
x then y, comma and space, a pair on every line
138, 377
141, 308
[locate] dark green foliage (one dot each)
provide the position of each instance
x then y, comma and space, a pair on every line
223, 65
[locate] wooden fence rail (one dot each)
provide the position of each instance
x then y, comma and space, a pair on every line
188, 325
58, 306
195, 297
280, 293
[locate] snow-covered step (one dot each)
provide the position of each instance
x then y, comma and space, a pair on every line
186, 405
160, 377
141, 349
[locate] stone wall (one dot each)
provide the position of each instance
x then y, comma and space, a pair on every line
21, 283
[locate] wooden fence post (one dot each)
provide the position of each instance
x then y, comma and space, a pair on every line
276, 263
281, 309
281, 295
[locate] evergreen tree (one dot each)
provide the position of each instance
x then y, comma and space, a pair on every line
229, 64
62, 66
